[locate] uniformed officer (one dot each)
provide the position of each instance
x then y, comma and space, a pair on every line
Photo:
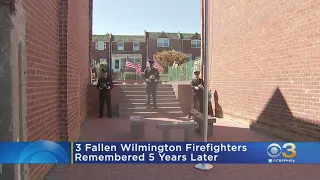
151, 76
105, 85
197, 86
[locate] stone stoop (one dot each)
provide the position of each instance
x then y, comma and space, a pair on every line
132, 102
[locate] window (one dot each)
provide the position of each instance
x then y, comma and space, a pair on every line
195, 43
96, 45
163, 42
101, 46
116, 64
120, 46
136, 46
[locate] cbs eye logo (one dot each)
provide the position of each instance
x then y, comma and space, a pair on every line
288, 150
44, 152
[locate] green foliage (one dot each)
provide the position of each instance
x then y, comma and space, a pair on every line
130, 75
100, 67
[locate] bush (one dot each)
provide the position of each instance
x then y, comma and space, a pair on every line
130, 75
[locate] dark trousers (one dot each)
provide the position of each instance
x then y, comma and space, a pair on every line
198, 98
151, 89
105, 96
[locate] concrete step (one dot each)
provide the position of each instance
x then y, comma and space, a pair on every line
143, 104
143, 88
143, 96
143, 100
151, 109
154, 114
142, 85
143, 92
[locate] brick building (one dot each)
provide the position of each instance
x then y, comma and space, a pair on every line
46, 48
140, 47
264, 65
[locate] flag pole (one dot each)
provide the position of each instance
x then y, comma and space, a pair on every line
205, 166
135, 62
125, 72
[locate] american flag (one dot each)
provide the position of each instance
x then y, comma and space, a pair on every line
138, 68
157, 66
129, 64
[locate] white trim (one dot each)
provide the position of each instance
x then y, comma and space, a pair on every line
138, 47
121, 49
195, 42
162, 44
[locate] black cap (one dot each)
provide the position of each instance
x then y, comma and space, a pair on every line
196, 72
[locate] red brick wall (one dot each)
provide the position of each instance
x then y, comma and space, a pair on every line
196, 52
100, 54
173, 44
78, 62
42, 34
57, 71
264, 59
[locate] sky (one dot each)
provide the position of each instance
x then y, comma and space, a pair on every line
132, 17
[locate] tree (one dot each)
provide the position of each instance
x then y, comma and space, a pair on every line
167, 58
100, 66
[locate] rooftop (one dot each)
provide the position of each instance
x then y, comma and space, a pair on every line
141, 38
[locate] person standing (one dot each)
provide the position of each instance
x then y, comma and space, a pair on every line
105, 85
151, 76
197, 87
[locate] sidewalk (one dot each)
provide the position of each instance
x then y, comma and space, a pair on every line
117, 130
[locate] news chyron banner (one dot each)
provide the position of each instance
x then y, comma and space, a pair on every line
48, 152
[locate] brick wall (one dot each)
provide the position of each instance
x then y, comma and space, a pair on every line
264, 59
78, 63
42, 34
100, 54
186, 43
57, 71
153, 48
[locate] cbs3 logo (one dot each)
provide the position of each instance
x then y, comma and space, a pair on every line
275, 150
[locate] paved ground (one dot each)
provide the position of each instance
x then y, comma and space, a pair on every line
118, 130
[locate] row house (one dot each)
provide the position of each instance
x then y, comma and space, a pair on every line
138, 48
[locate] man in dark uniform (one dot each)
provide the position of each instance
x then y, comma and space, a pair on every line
197, 86
151, 76
105, 85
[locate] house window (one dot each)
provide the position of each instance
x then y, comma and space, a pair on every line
95, 45
117, 64
136, 46
163, 42
120, 46
195, 43
100, 46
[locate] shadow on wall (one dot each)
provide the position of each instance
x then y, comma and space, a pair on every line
277, 119
217, 108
